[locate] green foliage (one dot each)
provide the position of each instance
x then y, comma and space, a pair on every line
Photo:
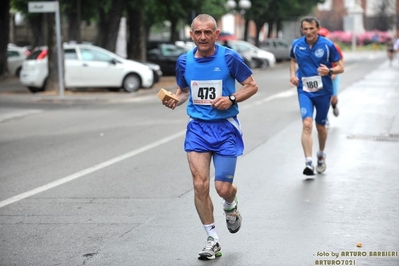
182, 12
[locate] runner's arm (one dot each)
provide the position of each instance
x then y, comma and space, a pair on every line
338, 67
293, 67
182, 94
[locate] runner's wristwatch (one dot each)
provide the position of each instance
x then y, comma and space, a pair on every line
233, 99
330, 71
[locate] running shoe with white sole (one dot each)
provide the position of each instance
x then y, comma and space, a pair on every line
335, 110
321, 164
233, 219
309, 169
211, 251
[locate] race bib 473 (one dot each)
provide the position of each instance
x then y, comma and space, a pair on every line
203, 92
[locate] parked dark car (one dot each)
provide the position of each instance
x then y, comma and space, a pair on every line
279, 47
257, 57
248, 60
165, 55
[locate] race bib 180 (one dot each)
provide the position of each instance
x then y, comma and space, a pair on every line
312, 84
203, 92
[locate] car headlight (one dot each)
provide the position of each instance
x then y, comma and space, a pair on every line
153, 66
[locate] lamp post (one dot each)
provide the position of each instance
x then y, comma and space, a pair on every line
243, 5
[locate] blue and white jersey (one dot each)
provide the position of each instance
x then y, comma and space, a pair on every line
309, 59
208, 78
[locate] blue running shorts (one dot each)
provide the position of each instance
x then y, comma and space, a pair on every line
221, 137
320, 103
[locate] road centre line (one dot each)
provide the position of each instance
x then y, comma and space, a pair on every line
89, 170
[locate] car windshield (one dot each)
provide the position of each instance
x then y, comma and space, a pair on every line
70, 53
93, 55
172, 50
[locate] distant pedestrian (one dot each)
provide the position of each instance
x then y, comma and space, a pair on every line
206, 77
374, 39
311, 70
396, 46
390, 51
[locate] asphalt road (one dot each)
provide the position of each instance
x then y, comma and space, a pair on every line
102, 179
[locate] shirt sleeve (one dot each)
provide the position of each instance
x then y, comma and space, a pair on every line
238, 69
180, 68
334, 54
339, 50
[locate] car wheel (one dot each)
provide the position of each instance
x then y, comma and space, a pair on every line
131, 83
18, 72
38, 89
35, 89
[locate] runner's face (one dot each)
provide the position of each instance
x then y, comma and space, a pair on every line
310, 31
204, 36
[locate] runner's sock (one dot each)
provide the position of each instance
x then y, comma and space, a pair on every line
229, 205
210, 230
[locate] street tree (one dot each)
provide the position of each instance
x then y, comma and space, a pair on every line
137, 35
5, 29
274, 12
384, 19
109, 17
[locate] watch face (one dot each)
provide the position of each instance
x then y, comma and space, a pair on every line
232, 97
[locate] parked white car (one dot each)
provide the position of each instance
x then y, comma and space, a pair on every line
262, 57
15, 57
87, 66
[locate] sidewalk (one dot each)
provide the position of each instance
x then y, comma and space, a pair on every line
13, 91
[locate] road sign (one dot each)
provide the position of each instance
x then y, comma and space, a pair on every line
42, 7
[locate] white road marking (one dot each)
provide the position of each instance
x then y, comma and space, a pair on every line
90, 170
10, 113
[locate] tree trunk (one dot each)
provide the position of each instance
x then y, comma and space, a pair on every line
246, 30
174, 35
38, 26
74, 21
136, 41
5, 32
270, 29
109, 25
259, 25
52, 83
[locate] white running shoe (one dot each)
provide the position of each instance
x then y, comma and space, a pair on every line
335, 110
211, 250
321, 164
233, 219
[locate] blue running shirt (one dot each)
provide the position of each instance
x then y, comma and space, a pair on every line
208, 78
308, 60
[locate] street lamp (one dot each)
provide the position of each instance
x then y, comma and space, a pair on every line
231, 4
243, 5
